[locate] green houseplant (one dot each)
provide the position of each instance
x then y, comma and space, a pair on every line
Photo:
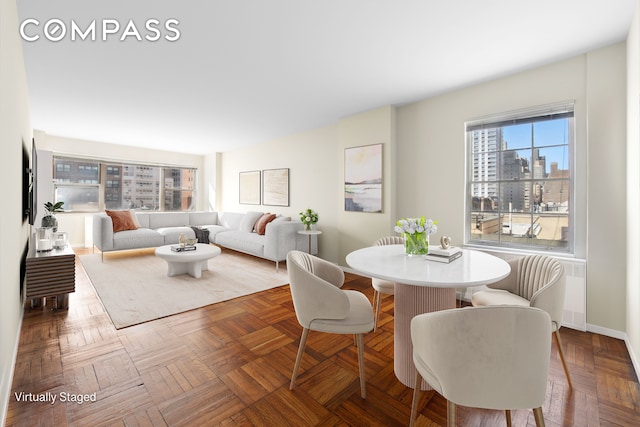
49, 220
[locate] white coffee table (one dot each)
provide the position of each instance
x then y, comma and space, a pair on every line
188, 262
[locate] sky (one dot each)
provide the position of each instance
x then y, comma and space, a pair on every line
547, 135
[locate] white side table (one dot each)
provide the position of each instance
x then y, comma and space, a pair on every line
310, 233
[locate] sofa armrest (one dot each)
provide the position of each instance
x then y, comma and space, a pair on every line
103, 232
282, 237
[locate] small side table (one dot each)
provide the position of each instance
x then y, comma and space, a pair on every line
310, 233
49, 274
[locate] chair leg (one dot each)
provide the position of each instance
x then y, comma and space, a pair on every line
451, 414
507, 413
360, 339
556, 334
303, 342
537, 415
416, 397
377, 298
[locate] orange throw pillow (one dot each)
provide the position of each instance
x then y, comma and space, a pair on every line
121, 220
261, 224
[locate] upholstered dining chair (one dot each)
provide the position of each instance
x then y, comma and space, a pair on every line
381, 286
321, 305
483, 357
535, 281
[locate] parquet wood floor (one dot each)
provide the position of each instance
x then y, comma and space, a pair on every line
229, 364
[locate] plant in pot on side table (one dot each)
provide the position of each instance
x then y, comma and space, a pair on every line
49, 220
308, 218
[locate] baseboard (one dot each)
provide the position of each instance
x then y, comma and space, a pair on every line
606, 331
621, 336
634, 358
4, 407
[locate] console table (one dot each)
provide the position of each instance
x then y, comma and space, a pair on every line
49, 274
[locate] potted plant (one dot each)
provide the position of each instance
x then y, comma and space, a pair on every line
308, 218
49, 220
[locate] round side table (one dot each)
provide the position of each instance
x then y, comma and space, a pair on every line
310, 233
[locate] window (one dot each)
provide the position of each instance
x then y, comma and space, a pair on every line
92, 185
519, 180
179, 186
76, 183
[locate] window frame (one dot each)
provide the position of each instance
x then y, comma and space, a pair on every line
532, 115
104, 164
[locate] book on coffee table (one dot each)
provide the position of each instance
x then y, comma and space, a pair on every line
185, 248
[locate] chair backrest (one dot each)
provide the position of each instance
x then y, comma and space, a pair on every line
389, 240
494, 357
535, 272
541, 280
315, 288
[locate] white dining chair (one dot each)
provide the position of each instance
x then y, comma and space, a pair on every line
483, 357
381, 286
535, 281
321, 305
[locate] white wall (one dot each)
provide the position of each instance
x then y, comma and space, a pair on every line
606, 215
431, 154
15, 133
425, 168
359, 229
74, 223
314, 176
431, 139
633, 190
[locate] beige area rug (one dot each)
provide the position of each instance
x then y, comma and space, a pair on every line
134, 288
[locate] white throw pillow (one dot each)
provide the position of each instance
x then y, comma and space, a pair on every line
249, 220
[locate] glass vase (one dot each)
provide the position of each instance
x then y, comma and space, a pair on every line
416, 244
307, 227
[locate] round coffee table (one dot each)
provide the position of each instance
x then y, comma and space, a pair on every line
188, 262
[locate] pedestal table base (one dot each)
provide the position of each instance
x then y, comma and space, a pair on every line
410, 301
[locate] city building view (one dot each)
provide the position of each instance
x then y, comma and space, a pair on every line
84, 185
520, 183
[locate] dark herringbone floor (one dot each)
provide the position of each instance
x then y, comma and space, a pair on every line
230, 363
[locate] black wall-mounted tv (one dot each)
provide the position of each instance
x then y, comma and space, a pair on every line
29, 184
26, 184
33, 194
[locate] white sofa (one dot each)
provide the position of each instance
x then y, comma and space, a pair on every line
227, 229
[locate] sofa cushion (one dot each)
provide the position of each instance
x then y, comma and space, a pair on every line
214, 230
249, 221
140, 238
261, 224
122, 220
168, 219
230, 220
203, 218
281, 218
142, 218
172, 234
250, 243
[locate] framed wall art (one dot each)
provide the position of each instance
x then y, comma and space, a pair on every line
250, 188
363, 178
275, 187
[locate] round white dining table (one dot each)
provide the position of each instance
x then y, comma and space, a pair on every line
422, 286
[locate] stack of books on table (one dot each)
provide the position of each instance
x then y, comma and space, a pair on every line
180, 248
443, 255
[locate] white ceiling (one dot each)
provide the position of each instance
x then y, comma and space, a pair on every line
248, 71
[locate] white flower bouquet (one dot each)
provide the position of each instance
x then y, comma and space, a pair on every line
416, 232
308, 218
